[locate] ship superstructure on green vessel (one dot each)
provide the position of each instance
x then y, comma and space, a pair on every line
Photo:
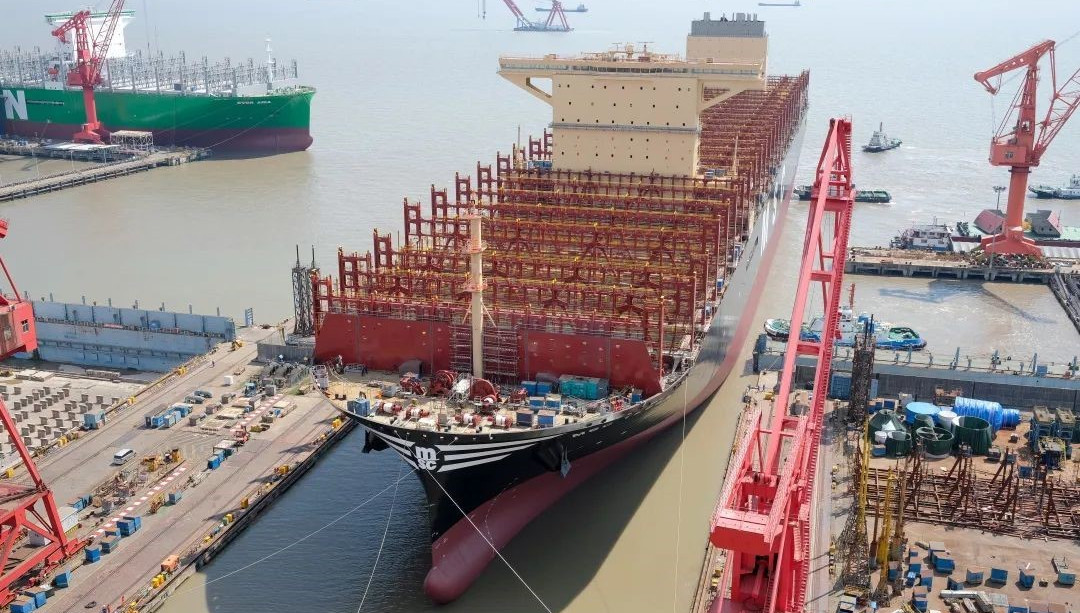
253, 107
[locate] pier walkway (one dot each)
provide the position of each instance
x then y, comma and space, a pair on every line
1066, 289
100, 172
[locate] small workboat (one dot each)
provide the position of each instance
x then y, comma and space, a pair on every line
881, 141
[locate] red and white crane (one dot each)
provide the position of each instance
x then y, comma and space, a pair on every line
763, 517
1020, 140
89, 57
25, 508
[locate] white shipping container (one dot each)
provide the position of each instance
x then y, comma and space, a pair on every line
69, 518
229, 379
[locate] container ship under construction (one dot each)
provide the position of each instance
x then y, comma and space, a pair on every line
247, 107
579, 297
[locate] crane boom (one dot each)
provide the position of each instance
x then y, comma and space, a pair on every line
89, 58
764, 513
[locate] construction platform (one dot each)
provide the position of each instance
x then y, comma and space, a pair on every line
943, 265
113, 163
192, 485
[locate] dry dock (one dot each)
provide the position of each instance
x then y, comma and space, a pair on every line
108, 170
213, 504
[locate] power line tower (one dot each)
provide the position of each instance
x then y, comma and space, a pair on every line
303, 300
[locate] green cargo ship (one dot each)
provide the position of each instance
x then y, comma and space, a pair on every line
230, 107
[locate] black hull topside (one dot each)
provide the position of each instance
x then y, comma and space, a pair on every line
524, 472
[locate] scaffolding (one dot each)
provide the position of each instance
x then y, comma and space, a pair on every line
621, 256
132, 140
302, 296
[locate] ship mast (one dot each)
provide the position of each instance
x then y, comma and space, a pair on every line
475, 286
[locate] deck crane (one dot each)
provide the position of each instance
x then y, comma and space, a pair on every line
555, 22
89, 57
763, 516
25, 508
1020, 146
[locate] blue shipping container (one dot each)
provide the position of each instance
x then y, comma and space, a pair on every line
530, 387
543, 387
110, 545
536, 402
62, 579
93, 554
23, 605
840, 386
360, 406
525, 418
546, 419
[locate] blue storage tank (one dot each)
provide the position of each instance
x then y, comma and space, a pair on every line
93, 554
992, 412
915, 409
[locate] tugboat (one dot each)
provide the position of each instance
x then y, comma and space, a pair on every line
886, 336
925, 237
881, 142
872, 196
1069, 192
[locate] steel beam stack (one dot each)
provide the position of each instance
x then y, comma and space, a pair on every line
619, 255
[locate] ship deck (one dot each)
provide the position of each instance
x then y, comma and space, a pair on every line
393, 406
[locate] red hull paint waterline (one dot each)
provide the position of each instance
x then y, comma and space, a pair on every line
246, 140
551, 315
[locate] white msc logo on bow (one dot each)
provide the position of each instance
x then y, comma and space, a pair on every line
425, 458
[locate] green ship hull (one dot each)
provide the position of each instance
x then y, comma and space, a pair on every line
273, 123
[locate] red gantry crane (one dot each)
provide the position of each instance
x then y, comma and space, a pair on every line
763, 517
89, 57
25, 508
1021, 146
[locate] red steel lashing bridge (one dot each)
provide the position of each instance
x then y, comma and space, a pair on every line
764, 512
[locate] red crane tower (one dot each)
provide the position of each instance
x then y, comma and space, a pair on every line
25, 508
764, 512
88, 60
1021, 146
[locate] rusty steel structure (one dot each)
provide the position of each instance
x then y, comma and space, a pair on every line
1001, 503
628, 262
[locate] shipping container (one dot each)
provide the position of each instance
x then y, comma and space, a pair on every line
62, 578
553, 401
93, 554
530, 387
525, 418
110, 545
360, 406
543, 388
175, 497
213, 463
546, 418
23, 605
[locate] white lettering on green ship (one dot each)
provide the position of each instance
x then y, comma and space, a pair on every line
15, 104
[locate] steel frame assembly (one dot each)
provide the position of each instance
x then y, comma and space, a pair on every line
1020, 146
605, 255
764, 512
25, 509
